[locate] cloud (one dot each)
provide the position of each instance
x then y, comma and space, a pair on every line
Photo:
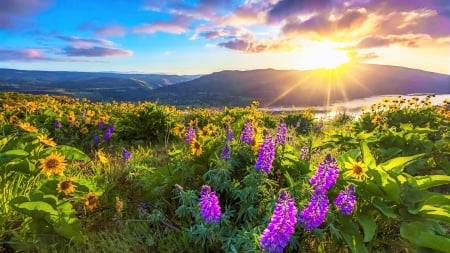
96, 52
286, 8
29, 54
324, 24
109, 31
13, 12
409, 40
84, 42
356, 57
178, 25
250, 45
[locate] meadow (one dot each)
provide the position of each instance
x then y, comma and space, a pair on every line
79, 176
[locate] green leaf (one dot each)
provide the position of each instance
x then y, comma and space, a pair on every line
352, 237
425, 182
421, 234
368, 158
37, 210
438, 213
390, 186
384, 208
396, 165
71, 153
368, 225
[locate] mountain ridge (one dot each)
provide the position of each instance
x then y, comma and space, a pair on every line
235, 87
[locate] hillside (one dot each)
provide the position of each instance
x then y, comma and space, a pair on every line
302, 88
233, 88
93, 85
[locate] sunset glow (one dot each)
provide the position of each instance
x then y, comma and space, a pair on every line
203, 36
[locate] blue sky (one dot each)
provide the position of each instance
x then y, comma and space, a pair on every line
203, 36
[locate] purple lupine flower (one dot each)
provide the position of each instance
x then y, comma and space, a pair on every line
266, 154
209, 205
226, 152
281, 133
126, 155
304, 153
107, 134
318, 127
101, 125
315, 212
95, 139
57, 124
282, 224
346, 199
190, 134
326, 175
248, 133
229, 133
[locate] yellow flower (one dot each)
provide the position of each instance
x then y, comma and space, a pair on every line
28, 127
90, 201
84, 130
102, 157
210, 129
193, 122
71, 118
76, 123
53, 164
66, 186
46, 140
355, 169
13, 119
178, 130
377, 120
90, 113
196, 147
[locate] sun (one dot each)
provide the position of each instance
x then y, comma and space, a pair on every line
324, 54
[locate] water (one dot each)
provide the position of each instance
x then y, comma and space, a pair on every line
353, 107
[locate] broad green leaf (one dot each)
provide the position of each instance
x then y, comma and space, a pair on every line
368, 225
352, 237
384, 208
37, 210
425, 182
396, 165
422, 235
390, 186
438, 213
289, 179
71, 153
368, 158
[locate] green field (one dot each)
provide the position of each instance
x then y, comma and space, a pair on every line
79, 176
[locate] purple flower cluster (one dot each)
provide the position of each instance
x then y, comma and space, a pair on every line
57, 124
248, 133
315, 212
126, 155
108, 132
190, 134
229, 133
266, 154
326, 175
95, 139
101, 125
281, 133
226, 152
282, 225
209, 205
304, 153
346, 199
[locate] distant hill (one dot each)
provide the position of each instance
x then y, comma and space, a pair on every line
301, 88
233, 88
93, 85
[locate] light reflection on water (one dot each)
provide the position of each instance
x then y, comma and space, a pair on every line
353, 107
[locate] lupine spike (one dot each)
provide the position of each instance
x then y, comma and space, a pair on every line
326, 175
248, 133
266, 154
190, 134
281, 133
346, 200
226, 152
229, 133
282, 225
315, 212
209, 205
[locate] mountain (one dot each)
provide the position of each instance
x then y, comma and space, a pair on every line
233, 88
301, 88
93, 85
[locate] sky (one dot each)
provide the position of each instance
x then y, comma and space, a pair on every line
204, 36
